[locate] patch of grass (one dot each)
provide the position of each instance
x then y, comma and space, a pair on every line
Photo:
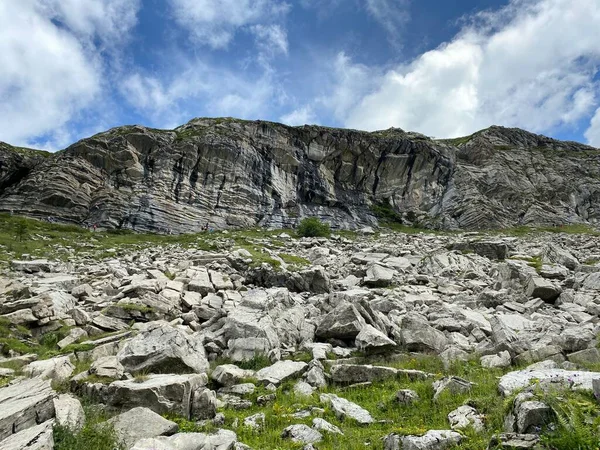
8, 344
96, 434
144, 309
294, 260
313, 227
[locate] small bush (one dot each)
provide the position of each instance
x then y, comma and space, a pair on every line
313, 227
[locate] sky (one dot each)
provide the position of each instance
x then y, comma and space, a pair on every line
444, 68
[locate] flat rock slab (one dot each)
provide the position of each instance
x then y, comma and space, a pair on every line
221, 440
139, 423
345, 408
302, 433
432, 440
163, 348
160, 393
24, 405
39, 437
281, 371
578, 380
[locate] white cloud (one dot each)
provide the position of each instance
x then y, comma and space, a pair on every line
107, 20
271, 39
50, 71
512, 67
215, 22
593, 132
300, 116
393, 15
199, 89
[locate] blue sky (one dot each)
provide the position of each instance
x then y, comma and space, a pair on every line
445, 68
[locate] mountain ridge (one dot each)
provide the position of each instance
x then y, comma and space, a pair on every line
237, 173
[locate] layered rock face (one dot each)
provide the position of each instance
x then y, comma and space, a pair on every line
234, 173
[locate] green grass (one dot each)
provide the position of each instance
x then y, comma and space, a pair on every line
294, 260
96, 434
379, 400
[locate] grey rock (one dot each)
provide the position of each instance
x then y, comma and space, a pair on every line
230, 374
255, 421
344, 408
418, 335
59, 368
239, 389
531, 416
69, 412
25, 404
432, 440
302, 434
361, 373
160, 393
465, 416
578, 380
407, 397
204, 404
163, 348
303, 389
453, 385
38, 437
371, 340
512, 441
540, 288
501, 360
379, 276
281, 371
221, 440
107, 367
139, 423
587, 356
344, 322
322, 425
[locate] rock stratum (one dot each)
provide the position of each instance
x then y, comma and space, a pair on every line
233, 173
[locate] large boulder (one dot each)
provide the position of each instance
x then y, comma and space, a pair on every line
39, 437
576, 380
160, 393
25, 404
164, 349
221, 440
139, 423
419, 336
344, 322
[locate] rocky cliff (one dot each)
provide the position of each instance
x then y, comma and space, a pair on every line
234, 173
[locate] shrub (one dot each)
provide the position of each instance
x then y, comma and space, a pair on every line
313, 227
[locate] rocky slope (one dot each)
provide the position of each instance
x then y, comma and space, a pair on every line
182, 321
234, 173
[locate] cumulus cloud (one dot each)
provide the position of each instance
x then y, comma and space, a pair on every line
300, 116
201, 89
593, 132
50, 71
511, 67
215, 23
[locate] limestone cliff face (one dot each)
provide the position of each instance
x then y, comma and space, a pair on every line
233, 173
